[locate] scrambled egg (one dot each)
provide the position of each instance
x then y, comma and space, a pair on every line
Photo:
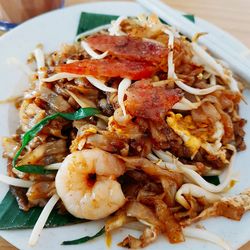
126, 128
183, 126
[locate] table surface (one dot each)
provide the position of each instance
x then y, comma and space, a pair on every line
231, 15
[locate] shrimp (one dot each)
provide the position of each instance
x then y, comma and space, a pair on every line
86, 183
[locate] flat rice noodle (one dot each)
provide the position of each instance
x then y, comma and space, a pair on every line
147, 217
10, 146
148, 193
45, 154
196, 206
211, 112
131, 48
205, 114
39, 193
30, 114
134, 70
119, 219
170, 189
146, 101
227, 99
149, 235
152, 169
55, 128
55, 101
232, 207
199, 117
131, 242
107, 143
172, 228
142, 213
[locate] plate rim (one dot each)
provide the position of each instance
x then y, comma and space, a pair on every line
22, 26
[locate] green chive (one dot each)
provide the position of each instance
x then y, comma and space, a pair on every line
29, 135
84, 239
34, 169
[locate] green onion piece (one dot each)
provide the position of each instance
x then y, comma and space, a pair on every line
34, 169
29, 135
84, 239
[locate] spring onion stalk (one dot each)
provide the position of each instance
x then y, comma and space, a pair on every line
84, 239
34, 169
29, 135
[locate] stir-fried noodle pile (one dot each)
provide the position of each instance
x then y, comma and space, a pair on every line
169, 117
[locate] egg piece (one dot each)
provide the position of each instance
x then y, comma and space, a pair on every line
181, 127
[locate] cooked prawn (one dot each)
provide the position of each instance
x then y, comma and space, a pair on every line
86, 183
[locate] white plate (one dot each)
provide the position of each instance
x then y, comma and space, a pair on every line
53, 29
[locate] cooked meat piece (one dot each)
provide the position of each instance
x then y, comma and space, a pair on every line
134, 70
146, 101
131, 48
